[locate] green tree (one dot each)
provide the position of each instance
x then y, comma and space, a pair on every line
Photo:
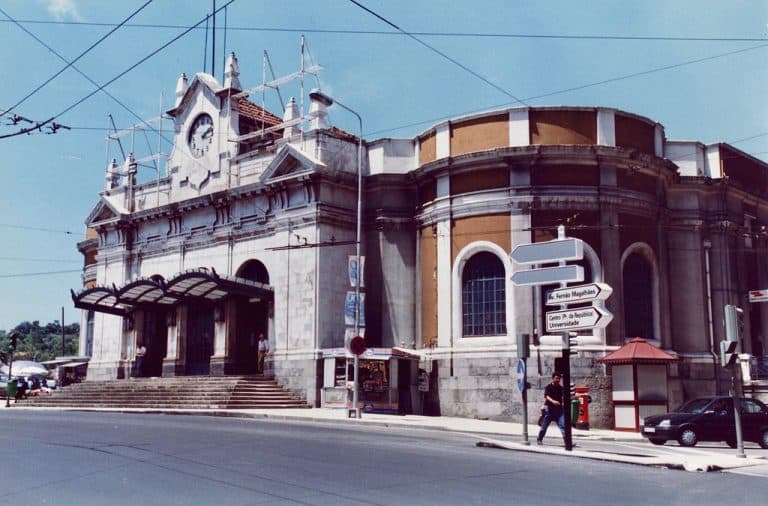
42, 343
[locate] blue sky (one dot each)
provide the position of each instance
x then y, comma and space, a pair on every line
51, 182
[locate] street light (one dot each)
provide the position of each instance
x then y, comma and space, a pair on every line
14, 336
327, 101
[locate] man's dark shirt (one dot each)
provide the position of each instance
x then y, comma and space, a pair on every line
555, 392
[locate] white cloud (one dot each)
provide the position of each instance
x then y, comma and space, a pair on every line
62, 9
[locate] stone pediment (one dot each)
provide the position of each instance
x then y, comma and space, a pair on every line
200, 79
104, 212
290, 163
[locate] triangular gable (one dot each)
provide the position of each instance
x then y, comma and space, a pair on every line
104, 212
200, 79
289, 163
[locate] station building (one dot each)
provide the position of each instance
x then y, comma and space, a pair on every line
252, 228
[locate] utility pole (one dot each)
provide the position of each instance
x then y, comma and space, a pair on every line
62, 332
729, 358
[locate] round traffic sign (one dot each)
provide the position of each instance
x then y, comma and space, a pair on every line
521, 375
357, 345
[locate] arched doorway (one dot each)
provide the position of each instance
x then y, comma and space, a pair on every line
155, 336
155, 340
252, 319
200, 333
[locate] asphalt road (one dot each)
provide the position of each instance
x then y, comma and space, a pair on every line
102, 458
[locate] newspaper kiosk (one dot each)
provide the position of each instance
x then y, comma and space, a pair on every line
387, 380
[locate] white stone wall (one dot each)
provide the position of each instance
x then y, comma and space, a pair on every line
688, 156
391, 156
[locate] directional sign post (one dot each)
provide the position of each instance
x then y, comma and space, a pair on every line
549, 275
558, 251
576, 294
758, 296
548, 252
575, 319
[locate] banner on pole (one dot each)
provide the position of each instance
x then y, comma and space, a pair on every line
354, 271
349, 309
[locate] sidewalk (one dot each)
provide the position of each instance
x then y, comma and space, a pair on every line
491, 434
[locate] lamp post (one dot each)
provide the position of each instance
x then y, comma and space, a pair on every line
326, 100
14, 336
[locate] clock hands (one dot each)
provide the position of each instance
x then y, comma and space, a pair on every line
201, 135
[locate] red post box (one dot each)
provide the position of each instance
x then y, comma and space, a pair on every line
582, 394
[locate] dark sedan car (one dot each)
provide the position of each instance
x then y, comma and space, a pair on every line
709, 419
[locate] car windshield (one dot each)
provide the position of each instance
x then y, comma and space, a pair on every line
694, 406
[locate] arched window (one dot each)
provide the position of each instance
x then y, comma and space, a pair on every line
254, 270
483, 297
638, 297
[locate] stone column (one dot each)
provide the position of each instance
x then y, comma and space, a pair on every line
223, 336
665, 325
522, 297
173, 363
444, 262
610, 258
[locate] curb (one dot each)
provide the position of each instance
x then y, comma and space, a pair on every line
700, 464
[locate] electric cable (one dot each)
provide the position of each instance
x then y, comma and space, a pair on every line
444, 55
573, 88
29, 274
57, 260
39, 229
118, 76
70, 63
445, 34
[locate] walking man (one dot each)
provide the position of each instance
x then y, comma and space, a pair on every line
263, 352
553, 398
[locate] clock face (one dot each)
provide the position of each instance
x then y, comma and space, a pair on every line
200, 135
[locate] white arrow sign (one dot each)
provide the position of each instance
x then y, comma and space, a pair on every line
549, 275
581, 293
549, 251
575, 319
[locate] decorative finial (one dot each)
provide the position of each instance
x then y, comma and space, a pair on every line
232, 73
181, 88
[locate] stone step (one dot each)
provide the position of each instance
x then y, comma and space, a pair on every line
102, 402
186, 407
190, 392
240, 400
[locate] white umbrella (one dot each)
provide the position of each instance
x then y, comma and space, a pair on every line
25, 368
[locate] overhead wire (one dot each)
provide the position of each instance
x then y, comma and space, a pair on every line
573, 88
100, 87
47, 273
441, 53
501, 35
72, 62
56, 260
39, 229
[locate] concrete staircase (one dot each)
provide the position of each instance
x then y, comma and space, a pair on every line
183, 392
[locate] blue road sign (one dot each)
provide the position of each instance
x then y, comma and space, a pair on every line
521, 375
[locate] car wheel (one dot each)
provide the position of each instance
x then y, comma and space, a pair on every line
731, 442
687, 437
657, 441
763, 439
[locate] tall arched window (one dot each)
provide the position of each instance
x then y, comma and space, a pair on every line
483, 297
255, 271
638, 297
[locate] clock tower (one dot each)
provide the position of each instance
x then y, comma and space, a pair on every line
203, 121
